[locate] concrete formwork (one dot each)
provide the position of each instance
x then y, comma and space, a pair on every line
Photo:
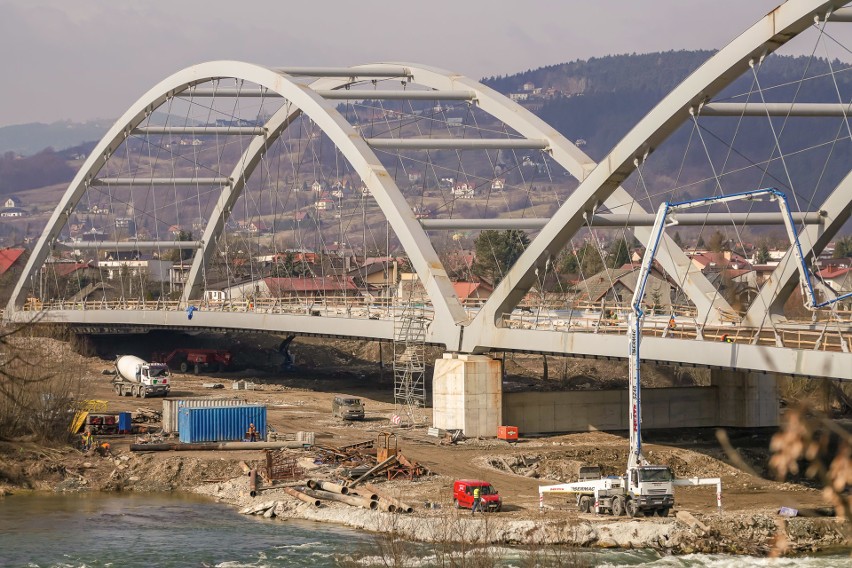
746, 399
467, 394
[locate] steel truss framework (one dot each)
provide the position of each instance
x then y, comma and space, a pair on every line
599, 187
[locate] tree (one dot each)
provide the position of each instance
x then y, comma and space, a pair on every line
585, 261
843, 247
290, 267
179, 255
762, 256
618, 253
497, 251
717, 242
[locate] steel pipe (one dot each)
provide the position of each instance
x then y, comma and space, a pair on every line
201, 130
363, 94
253, 482
348, 499
400, 506
328, 486
161, 181
622, 220
776, 109
336, 94
360, 71
302, 497
456, 144
129, 245
213, 446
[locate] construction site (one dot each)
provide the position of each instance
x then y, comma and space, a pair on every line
390, 471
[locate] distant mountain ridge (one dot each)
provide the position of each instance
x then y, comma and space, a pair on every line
31, 138
596, 101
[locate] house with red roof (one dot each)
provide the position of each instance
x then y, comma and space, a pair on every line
838, 278
708, 261
8, 257
473, 293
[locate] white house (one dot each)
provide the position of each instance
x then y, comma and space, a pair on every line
463, 190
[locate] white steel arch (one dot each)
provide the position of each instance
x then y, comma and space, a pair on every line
772, 31
708, 302
448, 310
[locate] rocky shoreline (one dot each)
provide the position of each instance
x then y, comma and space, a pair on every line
758, 533
728, 533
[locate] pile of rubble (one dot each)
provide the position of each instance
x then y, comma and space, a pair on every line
363, 460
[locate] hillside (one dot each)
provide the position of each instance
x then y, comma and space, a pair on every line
595, 101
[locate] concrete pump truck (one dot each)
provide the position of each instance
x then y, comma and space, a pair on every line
646, 488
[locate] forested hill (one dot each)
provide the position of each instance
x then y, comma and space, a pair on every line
600, 99
652, 72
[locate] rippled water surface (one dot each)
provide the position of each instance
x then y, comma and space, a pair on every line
126, 531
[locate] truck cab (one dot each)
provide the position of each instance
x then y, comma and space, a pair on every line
463, 495
650, 490
135, 377
347, 408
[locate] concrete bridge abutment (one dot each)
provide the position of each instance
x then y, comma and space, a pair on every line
467, 394
746, 400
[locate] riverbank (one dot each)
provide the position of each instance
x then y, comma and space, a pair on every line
218, 475
684, 533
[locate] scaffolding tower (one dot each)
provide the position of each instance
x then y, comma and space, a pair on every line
409, 367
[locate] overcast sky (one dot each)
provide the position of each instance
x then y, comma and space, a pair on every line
83, 59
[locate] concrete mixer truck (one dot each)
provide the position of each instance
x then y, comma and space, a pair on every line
135, 377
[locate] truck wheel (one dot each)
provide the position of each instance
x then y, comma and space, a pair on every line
630, 508
117, 389
618, 506
585, 504
456, 504
184, 366
664, 512
143, 392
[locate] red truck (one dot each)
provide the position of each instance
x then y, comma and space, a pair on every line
195, 359
463, 495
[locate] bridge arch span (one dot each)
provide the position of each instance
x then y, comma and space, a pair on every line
448, 310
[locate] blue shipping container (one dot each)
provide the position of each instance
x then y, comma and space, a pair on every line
125, 423
220, 424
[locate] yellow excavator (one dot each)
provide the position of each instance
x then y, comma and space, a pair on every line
83, 409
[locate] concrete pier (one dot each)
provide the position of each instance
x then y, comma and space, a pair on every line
467, 394
746, 400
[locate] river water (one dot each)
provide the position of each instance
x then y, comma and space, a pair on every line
165, 530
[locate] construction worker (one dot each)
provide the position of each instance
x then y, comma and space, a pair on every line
252, 433
477, 499
672, 322
87, 440
104, 449
727, 338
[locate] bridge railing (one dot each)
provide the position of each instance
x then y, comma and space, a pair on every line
577, 316
826, 337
